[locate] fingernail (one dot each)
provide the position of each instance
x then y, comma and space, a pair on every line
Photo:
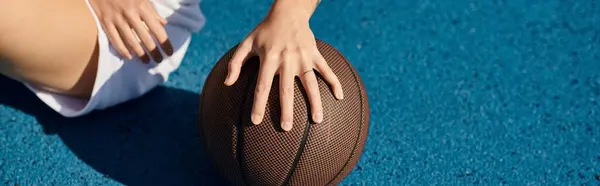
145, 59
169, 51
226, 79
158, 58
339, 95
256, 119
168, 47
319, 117
286, 126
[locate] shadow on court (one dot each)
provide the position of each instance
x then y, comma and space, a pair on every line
153, 140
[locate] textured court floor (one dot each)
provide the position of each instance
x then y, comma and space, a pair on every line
462, 92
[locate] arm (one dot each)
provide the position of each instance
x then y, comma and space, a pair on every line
287, 6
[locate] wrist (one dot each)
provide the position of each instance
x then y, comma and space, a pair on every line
294, 9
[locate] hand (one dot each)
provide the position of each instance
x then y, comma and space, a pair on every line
126, 20
286, 46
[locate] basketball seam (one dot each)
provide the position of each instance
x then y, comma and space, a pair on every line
298, 154
208, 79
361, 115
301, 146
240, 140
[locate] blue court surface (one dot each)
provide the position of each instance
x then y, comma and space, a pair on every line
462, 92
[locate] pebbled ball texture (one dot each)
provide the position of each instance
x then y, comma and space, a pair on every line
309, 154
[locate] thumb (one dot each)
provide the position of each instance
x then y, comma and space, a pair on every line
243, 51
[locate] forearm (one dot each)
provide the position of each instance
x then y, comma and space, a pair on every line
303, 7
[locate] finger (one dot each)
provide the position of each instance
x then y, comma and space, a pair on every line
150, 8
263, 87
115, 39
286, 94
142, 32
237, 61
131, 41
150, 17
163, 21
309, 82
329, 76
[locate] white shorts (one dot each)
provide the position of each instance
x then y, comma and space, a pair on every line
118, 79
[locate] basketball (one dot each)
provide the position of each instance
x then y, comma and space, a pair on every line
309, 154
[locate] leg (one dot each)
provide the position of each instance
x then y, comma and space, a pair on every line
49, 44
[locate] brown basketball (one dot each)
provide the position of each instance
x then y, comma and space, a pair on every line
309, 154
